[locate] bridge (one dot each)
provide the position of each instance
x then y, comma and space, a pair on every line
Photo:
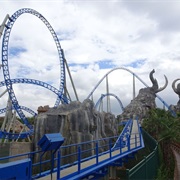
91, 163
129, 142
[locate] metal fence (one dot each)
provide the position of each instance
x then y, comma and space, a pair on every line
75, 155
147, 168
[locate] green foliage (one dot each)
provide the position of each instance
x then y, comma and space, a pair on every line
162, 125
165, 129
162, 173
120, 128
30, 119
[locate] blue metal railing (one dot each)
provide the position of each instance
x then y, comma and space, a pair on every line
125, 134
113, 148
134, 143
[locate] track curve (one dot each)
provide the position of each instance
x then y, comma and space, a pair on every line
5, 67
109, 94
23, 108
123, 68
38, 83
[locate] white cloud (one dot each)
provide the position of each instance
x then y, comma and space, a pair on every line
121, 32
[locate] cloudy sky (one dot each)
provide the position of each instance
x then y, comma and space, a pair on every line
96, 36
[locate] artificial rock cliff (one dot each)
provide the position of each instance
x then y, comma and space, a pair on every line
77, 122
140, 105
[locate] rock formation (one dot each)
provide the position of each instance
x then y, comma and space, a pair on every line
144, 101
80, 122
77, 122
42, 109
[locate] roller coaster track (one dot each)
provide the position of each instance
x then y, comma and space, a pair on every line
109, 94
22, 135
39, 83
88, 162
123, 68
35, 82
8, 81
109, 73
23, 108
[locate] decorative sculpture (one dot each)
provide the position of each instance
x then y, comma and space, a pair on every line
155, 86
176, 89
144, 101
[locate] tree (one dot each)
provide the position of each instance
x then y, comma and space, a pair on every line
165, 129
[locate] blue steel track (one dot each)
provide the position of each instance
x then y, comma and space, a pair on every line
109, 94
8, 82
130, 140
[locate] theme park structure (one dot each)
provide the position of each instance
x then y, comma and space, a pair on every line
63, 96
62, 92
125, 145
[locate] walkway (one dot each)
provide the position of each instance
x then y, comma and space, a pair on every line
103, 160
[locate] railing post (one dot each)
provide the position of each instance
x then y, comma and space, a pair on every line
97, 153
145, 159
127, 174
40, 160
79, 159
140, 133
135, 141
30, 156
120, 143
110, 150
58, 164
128, 142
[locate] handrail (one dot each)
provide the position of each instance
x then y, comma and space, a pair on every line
85, 152
142, 164
124, 134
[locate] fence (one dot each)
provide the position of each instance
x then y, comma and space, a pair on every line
77, 154
147, 168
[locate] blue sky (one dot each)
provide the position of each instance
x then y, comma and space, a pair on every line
96, 36
137, 63
103, 64
15, 51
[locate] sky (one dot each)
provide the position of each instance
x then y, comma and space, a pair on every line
96, 37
